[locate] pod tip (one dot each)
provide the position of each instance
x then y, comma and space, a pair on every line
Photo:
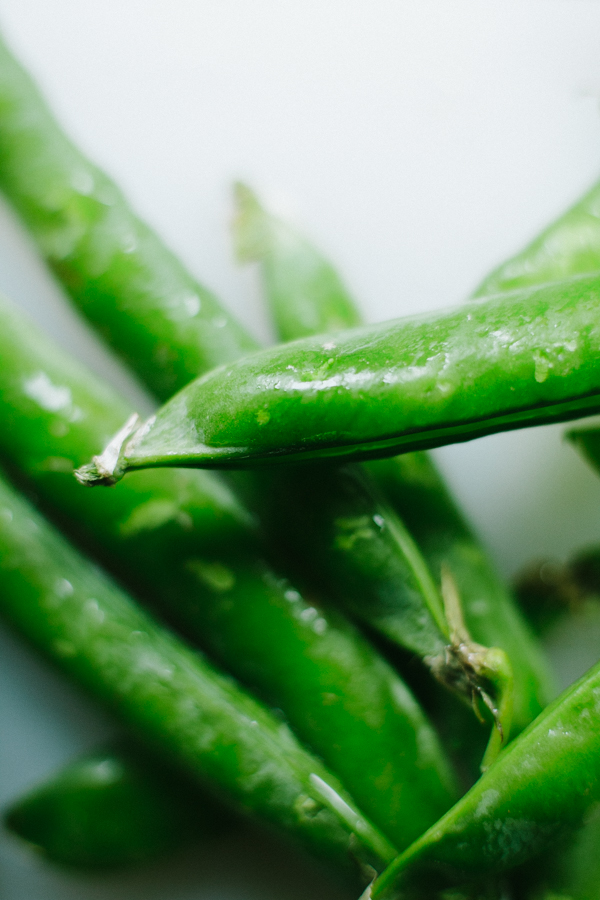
108, 468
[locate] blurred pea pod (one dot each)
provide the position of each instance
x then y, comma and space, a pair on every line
569, 246
127, 283
168, 694
83, 225
114, 807
306, 296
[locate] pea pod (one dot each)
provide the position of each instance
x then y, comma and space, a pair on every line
182, 540
536, 793
306, 296
113, 807
200, 719
79, 235
569, 246
81, 222
525, 358
123, 280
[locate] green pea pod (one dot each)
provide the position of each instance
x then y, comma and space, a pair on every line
122, 278
539, 789
41, 173
181, 539
112, 808
306, 296
519, 359
569, 246
82, 223
168, 693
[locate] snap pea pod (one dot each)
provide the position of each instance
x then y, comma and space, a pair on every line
121, 278
113, 807
123, 292
569, 246
504, 362
199, 718
182, 540
83, 225
306, 296
536, 793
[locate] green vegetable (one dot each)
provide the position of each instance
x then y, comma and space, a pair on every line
181, 539
169, 694
524, 358
306, 295
538, 790
124, 285
570, 246
82, 223
111, 808
105, 280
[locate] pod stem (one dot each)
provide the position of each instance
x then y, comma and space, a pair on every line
478, 674
107, 468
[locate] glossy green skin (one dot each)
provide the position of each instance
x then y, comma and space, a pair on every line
539, 789
110, 261
182, 539
112, 808
168, 693
505, 362
306, 296
570, 246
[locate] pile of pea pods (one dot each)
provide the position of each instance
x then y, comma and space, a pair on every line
268, 582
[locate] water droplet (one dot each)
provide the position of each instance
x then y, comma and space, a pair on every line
83, 182
49, 396
263, 416
309, 614
542, 366
192, 305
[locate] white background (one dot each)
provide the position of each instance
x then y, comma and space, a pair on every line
419, 144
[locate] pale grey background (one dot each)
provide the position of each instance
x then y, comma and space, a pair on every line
419, 143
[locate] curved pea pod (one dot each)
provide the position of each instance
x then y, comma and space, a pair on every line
569, 246
168, 694
304, 292
183, 541
306, 296
519, 359
114, 807
540, 789
107, 258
